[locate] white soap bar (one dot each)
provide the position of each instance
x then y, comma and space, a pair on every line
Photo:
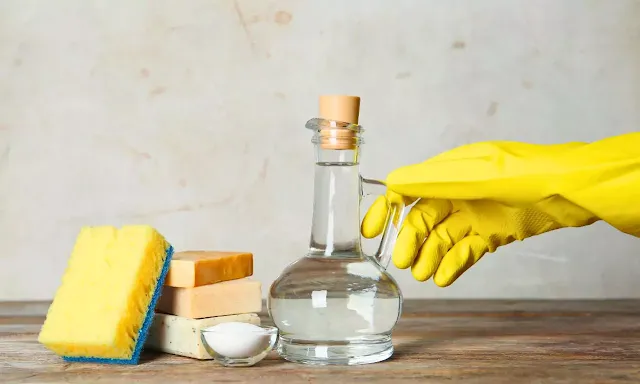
181, 336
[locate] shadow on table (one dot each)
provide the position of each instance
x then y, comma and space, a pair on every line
151, 356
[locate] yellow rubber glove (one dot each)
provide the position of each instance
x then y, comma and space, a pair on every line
478, 197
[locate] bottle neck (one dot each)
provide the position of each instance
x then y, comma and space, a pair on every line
336, 206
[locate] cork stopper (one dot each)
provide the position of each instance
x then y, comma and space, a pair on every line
341, 108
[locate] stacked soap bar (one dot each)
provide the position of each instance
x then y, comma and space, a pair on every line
202, 289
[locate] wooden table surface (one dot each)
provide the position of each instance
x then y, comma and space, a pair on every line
436, 341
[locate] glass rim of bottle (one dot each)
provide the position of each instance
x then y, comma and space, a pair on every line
318, 124
334, 134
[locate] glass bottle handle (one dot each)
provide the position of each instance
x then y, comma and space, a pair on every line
395, 215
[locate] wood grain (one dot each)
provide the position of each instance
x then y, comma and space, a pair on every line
436, 341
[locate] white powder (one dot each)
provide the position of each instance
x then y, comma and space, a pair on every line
237, 340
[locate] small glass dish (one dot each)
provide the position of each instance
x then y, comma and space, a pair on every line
239, 347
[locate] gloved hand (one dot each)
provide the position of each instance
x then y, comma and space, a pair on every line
478, 197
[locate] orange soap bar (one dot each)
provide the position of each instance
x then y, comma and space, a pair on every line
221, 299
196, 268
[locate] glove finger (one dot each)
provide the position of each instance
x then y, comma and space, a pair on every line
460, 258
445, 235
374, 220
422, 218
409, 240
427, 214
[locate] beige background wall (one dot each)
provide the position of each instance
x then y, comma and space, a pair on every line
188, 115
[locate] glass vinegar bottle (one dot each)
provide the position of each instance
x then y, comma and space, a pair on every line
337, 305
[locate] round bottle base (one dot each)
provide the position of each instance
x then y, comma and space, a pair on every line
335, 353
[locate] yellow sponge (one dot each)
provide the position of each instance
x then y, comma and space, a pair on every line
104, 307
